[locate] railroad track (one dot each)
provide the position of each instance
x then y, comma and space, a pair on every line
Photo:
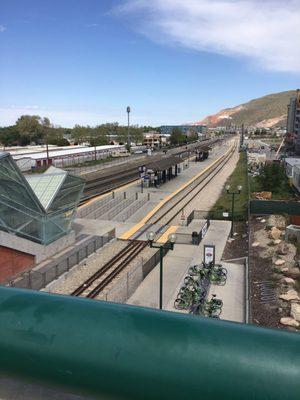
97, 282
97, 186
101, 278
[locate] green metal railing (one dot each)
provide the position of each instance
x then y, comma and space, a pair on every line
126, 352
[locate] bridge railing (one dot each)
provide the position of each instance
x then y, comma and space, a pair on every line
125, 352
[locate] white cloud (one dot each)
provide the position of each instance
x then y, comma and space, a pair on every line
2, 28
265, 32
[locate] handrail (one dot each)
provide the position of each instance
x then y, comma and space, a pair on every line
127, 352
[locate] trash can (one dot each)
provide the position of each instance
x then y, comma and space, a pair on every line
195, 238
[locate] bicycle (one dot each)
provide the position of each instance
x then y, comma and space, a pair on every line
213, 307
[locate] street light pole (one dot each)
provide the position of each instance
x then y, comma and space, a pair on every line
161, 254
128, 132
168, 245
239, 189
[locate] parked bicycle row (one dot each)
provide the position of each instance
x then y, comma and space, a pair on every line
192, 295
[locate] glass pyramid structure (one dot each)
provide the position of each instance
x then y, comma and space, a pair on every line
38, 207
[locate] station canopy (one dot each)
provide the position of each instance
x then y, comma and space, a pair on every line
164, 163
39, 207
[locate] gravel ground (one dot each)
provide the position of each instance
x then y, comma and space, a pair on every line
75, 277
239, 246
261, 268
116, 287
206, 199
68, 282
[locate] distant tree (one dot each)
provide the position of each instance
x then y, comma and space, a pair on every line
272, 177
30, 127
79, 133
9, 136
135, 133
177, 137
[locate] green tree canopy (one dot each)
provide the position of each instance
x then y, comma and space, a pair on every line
177, 137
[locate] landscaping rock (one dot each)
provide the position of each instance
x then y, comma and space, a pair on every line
275, 233
282, 248
289, 295
263, 221
295, 311
289, 281
279, 262
255, 244
293, 273
285, 269
277, 241
277, 220
289, 321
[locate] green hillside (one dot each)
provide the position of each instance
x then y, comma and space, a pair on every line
267, 107
263, 109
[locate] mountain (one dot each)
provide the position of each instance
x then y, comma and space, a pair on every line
267, 111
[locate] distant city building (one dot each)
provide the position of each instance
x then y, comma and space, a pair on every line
185, 129
155, 139
293, 124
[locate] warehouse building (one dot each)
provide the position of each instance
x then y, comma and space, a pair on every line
68, 156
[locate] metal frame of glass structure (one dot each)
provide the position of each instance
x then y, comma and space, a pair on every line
41, 207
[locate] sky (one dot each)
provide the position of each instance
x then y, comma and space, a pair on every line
172, 61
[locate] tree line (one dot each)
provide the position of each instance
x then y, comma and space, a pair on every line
37, 130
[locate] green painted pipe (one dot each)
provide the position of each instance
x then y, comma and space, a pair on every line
125, 352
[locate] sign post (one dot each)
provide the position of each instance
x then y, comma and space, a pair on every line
209, 254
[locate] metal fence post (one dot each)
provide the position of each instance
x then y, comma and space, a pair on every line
29, 280
56, 271
127, 286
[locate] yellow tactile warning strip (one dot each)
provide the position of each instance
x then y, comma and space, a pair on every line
127, 235
165, 235
101, 196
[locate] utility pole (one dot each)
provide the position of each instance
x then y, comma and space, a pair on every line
128, 132
243, 132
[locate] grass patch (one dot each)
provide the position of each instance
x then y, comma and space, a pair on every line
273, 179
237, 178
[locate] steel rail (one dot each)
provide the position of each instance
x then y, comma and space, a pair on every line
210, 175
104, 269
135, 247
126, 177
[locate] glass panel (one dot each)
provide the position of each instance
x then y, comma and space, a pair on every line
24, 214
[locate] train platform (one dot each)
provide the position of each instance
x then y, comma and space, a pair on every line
158, 195
176, 265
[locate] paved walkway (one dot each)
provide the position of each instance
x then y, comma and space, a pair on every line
176, 265
233, 293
